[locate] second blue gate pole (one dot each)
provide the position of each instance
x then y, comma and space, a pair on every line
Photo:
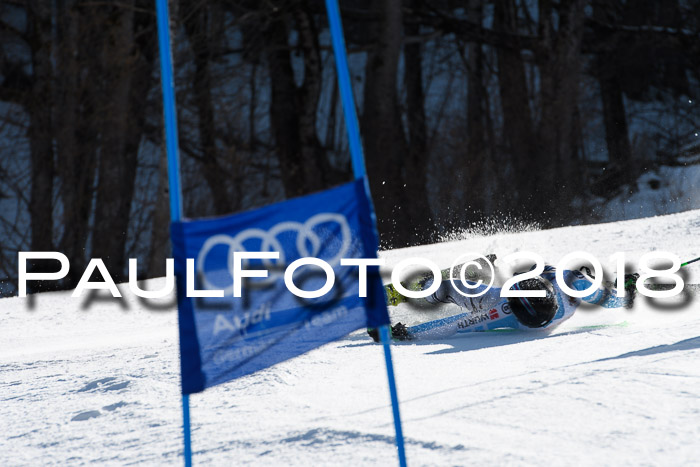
358, 165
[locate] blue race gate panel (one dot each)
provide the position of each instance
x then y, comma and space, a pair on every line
225, 338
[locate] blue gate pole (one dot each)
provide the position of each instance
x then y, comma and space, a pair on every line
384, 335
170, 116
358, 165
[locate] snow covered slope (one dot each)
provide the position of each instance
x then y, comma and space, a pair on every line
99, 382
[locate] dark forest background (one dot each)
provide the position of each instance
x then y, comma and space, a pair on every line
539, 110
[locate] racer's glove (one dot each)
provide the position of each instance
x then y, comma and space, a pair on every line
399, 332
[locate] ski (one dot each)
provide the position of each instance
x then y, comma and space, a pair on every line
423, 330
432, 329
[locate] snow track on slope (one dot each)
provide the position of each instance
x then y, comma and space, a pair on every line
101, 384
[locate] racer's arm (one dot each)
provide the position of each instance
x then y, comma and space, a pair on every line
602, 296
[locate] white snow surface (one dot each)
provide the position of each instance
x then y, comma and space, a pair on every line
100, 383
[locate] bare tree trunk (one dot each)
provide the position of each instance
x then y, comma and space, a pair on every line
253, 104
40, 128
332, 116
197, 26
317, 170
160, 234
476, 160
79, 43
40, 134
518, 128
160, 231
558, 176
616, 131
284, 110
116, 168
418, 217
381, 124
128, 66
304, 163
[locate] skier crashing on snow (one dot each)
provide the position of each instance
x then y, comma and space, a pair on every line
491, 311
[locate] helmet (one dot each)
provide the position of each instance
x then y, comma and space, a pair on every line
534, 312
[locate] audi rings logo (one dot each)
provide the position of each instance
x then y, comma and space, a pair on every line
326, 236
